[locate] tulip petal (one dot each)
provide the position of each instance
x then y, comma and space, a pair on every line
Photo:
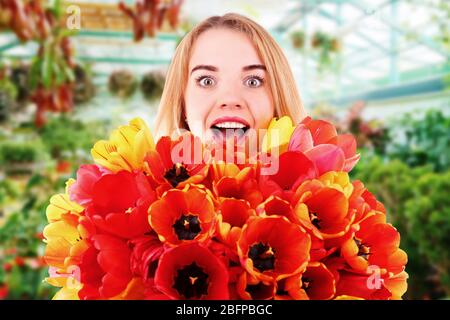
327, 157
321, 131
301, 140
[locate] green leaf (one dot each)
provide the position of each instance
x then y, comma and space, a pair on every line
47, 66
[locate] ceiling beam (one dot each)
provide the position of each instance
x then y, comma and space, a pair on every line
11, 44
424, 40
118, 60
359, 34
296, 14
432, 85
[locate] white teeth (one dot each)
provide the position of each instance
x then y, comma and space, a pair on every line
230, 125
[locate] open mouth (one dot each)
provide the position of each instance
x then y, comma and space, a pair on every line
228, 129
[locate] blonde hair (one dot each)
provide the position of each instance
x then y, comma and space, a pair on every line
281, 82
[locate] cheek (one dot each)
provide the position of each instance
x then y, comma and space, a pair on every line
263, 109
196, 108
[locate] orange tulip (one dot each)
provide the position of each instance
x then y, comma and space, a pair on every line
272, 248
175, 163
251, 288
230, 181
233, 214
183, 216
327, 215
375, 243
315, 283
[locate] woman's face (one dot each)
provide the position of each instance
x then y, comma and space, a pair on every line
227, 86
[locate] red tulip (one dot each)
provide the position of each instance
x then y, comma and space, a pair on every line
191, 271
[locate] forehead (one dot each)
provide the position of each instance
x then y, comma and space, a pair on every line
223, 47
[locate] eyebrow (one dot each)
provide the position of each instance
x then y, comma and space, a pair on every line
214, 69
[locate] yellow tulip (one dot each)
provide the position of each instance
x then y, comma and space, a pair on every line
126, 148
61, 204
278, 134
69, 288
338, 180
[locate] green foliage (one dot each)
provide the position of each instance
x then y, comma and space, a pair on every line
417, 204
428, 214
326, 45
20, 238
25, 282
423, 141
8, 190
19, 152
8, 93
63, 135
51, 68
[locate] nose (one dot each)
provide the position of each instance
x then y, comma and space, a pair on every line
231, 104
231, 99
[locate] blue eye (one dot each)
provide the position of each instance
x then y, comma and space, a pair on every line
254, 81
205, 81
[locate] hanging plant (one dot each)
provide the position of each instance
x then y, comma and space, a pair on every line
51, 77
335, 45
122, 83
319, 39
152, 85
298, 39
325, 45
84, 88
5, 17
27, 19
149, 15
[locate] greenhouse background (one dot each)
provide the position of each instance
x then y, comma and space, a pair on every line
378, 69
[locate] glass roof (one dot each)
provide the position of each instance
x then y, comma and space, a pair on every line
386, 46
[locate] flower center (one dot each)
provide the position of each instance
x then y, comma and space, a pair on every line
259, 291
191, 281
187, 227
363, 250
152, 269
314, 219
177, 174
306, 284
263, 257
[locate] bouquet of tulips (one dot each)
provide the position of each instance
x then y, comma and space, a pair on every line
174, 220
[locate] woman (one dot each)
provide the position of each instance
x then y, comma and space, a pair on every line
227, 73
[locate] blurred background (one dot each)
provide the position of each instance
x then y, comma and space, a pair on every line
70, 71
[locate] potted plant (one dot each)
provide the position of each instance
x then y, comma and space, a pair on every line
298, 39
84, 88
122, 83
326, 45
152, 85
